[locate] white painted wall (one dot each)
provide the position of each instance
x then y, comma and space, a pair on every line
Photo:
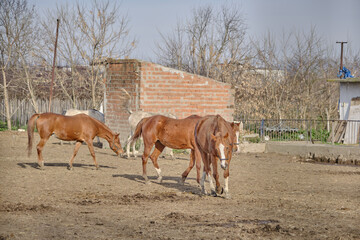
347, 92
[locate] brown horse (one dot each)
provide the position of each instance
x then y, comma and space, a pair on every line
80, 128
236, 129
134, 119
162, 131
214, 139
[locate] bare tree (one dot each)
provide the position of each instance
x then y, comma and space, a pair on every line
206, 42
16, 21
88, 34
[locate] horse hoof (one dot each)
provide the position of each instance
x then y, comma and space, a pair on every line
182, 181
159, 180
219, 190
227, 196
204, 192
213, 193
70, 168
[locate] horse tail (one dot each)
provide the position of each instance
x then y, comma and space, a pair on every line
30, 131
138, 129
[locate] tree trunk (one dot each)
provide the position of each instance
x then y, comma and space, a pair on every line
6, 101
30, 88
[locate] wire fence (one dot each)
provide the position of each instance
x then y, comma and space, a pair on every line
324, 131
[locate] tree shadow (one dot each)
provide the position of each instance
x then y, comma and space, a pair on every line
75, 165
167, 181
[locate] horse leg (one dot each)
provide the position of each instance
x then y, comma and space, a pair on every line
39, 149
128, 146
197, 156
159, 147
147, 149
92, 152
133, 146
172, 154
76, 149
191, 165
206, 172
219, 189
226, 181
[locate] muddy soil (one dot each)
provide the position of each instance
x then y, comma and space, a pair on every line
272, 197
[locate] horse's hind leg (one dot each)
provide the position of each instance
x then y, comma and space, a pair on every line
133, 147
92, 152
147, 149
39, 149
76, 149
191, 165
128, 146
206, 172
159, 147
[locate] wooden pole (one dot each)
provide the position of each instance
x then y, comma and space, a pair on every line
341, 54
53, 67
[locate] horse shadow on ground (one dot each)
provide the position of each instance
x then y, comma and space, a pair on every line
139, 157
167, 181
75, 165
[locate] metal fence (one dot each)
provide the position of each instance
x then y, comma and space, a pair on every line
331, 131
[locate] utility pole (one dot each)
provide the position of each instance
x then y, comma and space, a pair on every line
341, 55
53, 67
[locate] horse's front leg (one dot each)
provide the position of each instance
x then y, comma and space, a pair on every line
219, 189
76, 149
226, 181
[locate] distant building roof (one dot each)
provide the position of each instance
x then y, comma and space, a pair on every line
348, 80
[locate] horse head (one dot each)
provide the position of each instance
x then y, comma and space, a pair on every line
236, 129
222, 147
115, 144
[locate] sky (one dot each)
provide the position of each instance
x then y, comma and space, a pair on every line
334, 20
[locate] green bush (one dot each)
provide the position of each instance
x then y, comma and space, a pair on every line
3, 127
320, 135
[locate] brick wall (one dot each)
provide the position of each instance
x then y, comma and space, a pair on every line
154, 88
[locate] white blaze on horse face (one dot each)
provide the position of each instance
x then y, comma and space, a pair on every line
237, 137
222, 155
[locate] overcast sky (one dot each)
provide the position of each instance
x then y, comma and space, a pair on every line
335, 20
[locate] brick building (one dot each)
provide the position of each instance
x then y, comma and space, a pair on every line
140, 85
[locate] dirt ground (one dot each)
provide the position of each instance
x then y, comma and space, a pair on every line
272, 197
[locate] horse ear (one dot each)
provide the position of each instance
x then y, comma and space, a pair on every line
226, 135
117, 134
213, 137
